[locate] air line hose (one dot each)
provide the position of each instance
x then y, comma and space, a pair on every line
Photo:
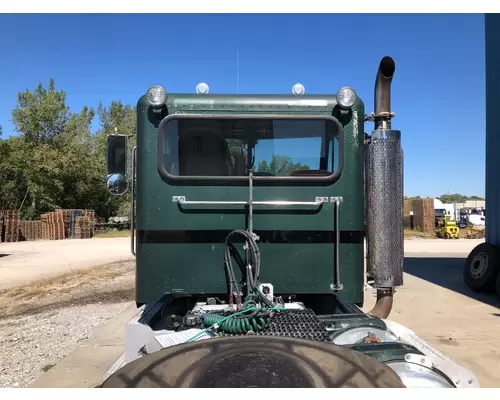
236, 325
255, 321
252, 317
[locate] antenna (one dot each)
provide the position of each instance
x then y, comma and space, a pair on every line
238, 70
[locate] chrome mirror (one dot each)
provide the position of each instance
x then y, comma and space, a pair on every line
117, 184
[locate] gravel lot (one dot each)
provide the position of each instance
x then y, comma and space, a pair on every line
43, 322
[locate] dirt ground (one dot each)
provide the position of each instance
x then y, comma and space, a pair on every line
41, 322
23, 262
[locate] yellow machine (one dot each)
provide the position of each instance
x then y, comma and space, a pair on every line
447, 228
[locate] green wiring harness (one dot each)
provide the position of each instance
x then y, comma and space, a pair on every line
257, 308
250, 272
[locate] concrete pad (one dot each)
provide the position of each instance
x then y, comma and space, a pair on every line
435, 303
85, 366
28, 261
459, 247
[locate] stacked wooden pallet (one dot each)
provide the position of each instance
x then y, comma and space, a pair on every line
83, 228
407, 220
90, 214
10, 228
56, 225
44, 219
69, 219
30, 230
475, 233
67, 223
424, 215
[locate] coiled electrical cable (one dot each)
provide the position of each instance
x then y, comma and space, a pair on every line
252, 275
253, 259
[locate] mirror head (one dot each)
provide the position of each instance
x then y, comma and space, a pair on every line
117, 184
116, 154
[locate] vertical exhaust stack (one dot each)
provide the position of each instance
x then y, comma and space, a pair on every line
384, 195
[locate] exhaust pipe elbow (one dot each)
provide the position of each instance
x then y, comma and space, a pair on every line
383, 305
382, 99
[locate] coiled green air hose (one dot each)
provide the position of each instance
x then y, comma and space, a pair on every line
251, 318
219, 321
236, 325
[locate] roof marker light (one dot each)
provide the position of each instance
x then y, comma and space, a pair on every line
202, 88
346, 97
298, 88
157, 96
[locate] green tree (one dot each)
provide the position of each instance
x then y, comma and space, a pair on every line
280, 166
13, 181
457, 198
56, 153
40, 114
452, 198
55, 161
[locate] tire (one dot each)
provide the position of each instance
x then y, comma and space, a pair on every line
497, 285
290, 363
447, 235
480, 267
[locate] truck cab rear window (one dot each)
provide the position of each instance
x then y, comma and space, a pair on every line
208, 147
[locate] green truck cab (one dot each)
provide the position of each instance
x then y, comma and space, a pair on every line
248, 227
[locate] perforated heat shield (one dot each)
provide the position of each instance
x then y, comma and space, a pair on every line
384, 191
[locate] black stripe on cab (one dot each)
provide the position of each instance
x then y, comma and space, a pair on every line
266, 236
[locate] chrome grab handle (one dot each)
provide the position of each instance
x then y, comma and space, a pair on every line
182, 200
337, 286
132, 211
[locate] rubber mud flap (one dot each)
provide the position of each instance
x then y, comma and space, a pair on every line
480, 267
255, 361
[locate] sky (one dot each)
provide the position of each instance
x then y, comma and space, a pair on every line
438, 91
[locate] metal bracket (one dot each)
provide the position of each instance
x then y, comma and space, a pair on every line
418, 359
336, 287
255, 236
335, 199
372, 116
177, 199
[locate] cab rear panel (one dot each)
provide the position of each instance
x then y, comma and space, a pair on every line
180, 248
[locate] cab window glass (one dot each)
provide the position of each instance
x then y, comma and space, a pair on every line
230, 147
